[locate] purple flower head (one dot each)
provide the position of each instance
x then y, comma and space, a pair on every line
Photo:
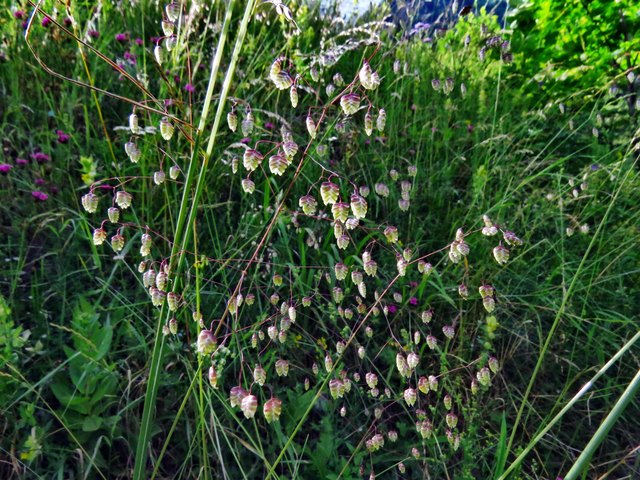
39, 181
168, 102
21, 161
122, 37
139, 42
595, 167
392, 309
155, 40
5, 168
434, 129
94, 33
39, 196
40, 157
68, 22
269, 126
130, 57
413, 301
19, 14
470, 128
245, 140
62, 137
413, 284
46, 21
189, 88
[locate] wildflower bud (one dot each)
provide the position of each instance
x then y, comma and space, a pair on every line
448, 331
452, 420
413, 360
494, 366
248, 123
463, 291
426, 316
170, 42
149, 277
329, 192
489, 304
282, 368
336, 388
368, 331
236, 395
391, 233
368, 123
278, 164
342, 242
371, 379
306, 301
132, 151
249, 405
117, 242
433, 383
133, 124
213, 377
484, 377
358, 206
166, 128
448, 401
375, 443
293, 95
161, 280
463, 90
308, 204
142, 267
197, 318
402, 264
381, 120
350, 103
474, 386
311, 127
259, 375
282, 80
90, 202
423, 385
448, 86
173, 326
114, 214
315, 75
454, 254
362, 289
432, 342
410, 396
341, 271
173, 11
158, 53
340, 211
172, 301
381, 189
157, 296
511, 239
165, 330
248, 186
272, 410
145, 244
272, 331
159, 177
401, 364
462, 248
424, 428
501, 254
277, 279
352, 223
290, 149
99, 236
365, 74
123, 199
330, 89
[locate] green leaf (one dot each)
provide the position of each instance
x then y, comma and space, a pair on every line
91, 423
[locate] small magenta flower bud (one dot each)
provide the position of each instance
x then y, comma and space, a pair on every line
249, 405
340, 211
259, 375
329, 192
501, 255
410, 396
117, 242
207, 342
132, 151
172, 301
123, 199
272, 410
99, 236
236, 395
350, 103
159, 177
90, 202
213, 377
173, 11
166, 128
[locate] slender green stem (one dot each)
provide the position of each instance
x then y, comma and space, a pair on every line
582, 461
587, 386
